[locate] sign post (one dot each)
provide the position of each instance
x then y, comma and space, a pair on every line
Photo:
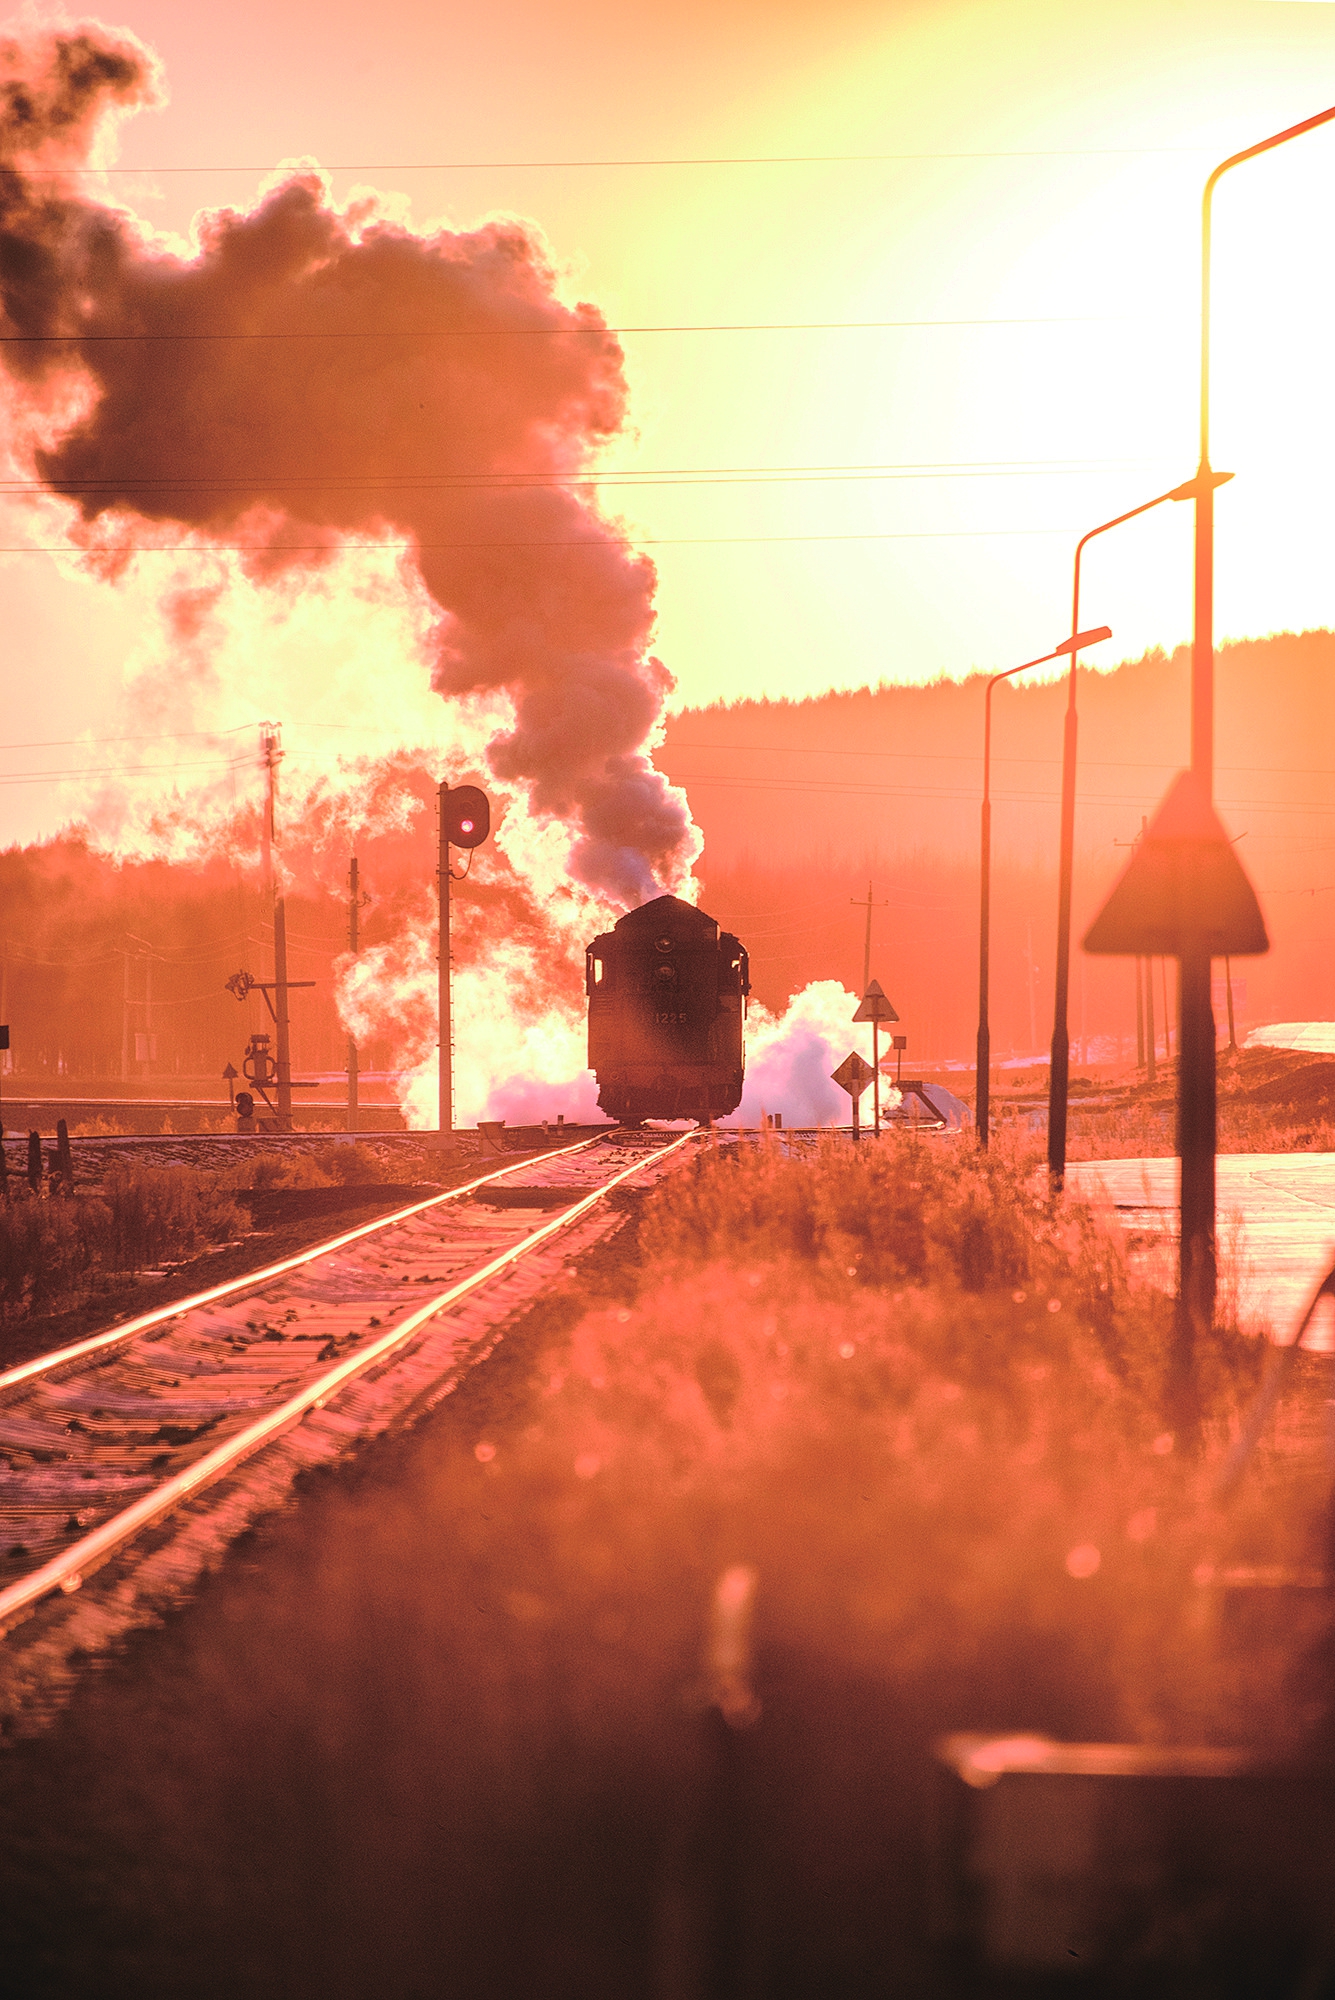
875, 1008
1184, 895
853, 1075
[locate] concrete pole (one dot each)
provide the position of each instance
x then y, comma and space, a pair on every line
354, 899
446, 1024
282, 1032
983, 1056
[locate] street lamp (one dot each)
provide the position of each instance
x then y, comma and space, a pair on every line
1060, 1065
1197, 1134
1072, 645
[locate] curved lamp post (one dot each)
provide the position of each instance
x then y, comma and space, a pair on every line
1072, 645
1060, 1066
1197, 1134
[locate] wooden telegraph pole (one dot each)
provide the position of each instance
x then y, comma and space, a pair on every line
868, 906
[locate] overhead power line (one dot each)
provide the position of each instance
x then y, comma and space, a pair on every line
296, 166
112, 771
161, 736
826, 787
974, 756
81, 339
599, 542
505, 482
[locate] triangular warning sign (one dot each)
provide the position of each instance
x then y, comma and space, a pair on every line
875, 1006
1183, 890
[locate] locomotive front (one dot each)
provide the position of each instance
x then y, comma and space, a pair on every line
667, 999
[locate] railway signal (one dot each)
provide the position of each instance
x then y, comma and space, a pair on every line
875, 1008
465, 815
465, 821
1184, 894
853, 1075
278, 1071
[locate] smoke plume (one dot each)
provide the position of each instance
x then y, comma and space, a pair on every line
310, 377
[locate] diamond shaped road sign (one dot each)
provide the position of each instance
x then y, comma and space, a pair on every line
1184, 889
875, 1006
853, 1075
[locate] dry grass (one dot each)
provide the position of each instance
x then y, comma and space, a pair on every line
1148, 1130
929, 1408
338, 1165
54, 1252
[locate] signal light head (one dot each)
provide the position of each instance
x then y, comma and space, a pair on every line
465, 815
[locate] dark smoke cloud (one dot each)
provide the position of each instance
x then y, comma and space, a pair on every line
394, 374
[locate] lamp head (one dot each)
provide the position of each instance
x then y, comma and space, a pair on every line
1191, 489
1079, 640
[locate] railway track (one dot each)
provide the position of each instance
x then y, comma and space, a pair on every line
103, 1440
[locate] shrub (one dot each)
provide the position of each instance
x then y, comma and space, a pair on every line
48, 1250
158, 1211
53, 1252
278, 1170
357, 1163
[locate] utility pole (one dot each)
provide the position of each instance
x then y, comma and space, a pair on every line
1168, 1017
1228, 989
446, 1028
125, 1016
868, 906
271, 745
148, 1015
1140, 1014
354, 906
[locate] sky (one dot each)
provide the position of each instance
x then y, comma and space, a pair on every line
923, 308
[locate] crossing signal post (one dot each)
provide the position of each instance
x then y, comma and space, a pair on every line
465, 821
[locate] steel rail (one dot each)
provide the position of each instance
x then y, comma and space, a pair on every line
67, 1571
40, 1364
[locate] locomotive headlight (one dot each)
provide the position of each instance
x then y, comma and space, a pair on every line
666, 972
663, 944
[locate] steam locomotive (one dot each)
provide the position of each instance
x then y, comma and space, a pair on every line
667, 997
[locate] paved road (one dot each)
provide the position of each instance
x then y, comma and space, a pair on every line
1276, 1227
